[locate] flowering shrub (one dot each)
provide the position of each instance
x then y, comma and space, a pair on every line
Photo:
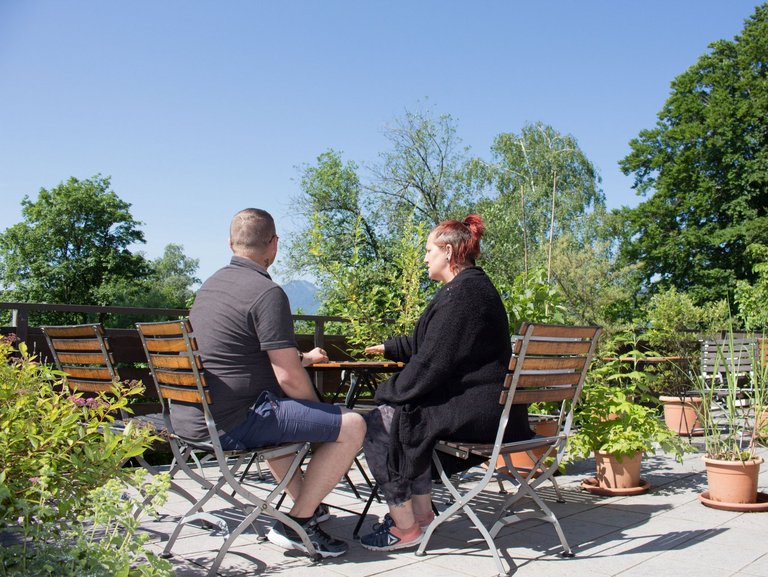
56, 449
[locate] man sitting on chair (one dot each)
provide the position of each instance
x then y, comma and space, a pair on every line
262, 394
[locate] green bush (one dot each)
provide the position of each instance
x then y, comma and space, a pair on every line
57, 451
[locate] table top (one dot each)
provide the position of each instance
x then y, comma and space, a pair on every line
382, 366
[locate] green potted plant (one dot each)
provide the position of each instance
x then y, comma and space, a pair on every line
619, 422
672, 317
731, 427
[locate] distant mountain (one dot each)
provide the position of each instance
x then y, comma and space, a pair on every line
303, 295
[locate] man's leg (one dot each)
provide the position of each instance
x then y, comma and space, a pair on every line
328, 465
331, 459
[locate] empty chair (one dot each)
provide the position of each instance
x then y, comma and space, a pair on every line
180, 377
548, 364
83, 353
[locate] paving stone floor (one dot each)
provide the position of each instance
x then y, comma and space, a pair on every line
657, 533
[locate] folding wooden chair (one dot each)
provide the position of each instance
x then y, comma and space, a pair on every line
548, 364
82, 352
180, 377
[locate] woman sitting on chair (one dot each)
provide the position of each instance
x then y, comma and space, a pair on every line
456, 359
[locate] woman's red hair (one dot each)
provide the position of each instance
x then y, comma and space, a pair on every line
464, 238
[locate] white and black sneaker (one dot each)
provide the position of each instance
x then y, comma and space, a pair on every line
285, 537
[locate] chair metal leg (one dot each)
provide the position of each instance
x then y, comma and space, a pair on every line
374, 495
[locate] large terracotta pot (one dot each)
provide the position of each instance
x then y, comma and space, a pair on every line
681, 414
615, 474
733, 481
521, 460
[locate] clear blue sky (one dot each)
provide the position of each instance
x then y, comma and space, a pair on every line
199, 109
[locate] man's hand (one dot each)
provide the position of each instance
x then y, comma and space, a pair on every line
375, 350
316, 355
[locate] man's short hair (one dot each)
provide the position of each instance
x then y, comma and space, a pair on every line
251, 230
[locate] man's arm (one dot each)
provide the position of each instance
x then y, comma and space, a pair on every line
291, 376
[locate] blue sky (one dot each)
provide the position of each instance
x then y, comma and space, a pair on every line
199, 109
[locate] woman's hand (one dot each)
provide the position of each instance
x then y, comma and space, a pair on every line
316, 355
375, 350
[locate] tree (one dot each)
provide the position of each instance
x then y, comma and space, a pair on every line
73, 240
704, 169
546, 189
366, 238
422, 175
169, 284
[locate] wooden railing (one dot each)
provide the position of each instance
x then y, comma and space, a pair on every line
126, 345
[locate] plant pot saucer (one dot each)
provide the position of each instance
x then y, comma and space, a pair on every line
592, 486
757, 507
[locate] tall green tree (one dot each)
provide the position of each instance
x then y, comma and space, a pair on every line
74, 240
422, 174
168, 285
366, 237
546, 189
704, 170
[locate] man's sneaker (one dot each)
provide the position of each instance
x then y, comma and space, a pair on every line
322, 513
382, 538
285, 537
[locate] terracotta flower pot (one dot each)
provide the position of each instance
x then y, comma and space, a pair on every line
521, 459
733, 481
681, 415
615, 474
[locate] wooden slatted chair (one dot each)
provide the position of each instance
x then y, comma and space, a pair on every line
83, 354
729, 358
548, 364
179, 375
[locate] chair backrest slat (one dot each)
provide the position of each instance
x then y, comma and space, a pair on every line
82, 353
527, 397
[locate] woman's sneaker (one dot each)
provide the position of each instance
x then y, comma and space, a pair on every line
383, 539
285, 537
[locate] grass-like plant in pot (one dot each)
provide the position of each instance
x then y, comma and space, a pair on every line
619, 422
729, 418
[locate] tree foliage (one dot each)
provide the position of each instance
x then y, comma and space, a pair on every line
363, 241
73, 240
73, 247
546, 190
704, 168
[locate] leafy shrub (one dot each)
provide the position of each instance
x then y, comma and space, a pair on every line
615, 413
57, 452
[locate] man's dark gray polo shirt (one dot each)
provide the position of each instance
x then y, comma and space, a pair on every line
238, 315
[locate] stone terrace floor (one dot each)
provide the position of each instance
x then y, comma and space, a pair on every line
665, 530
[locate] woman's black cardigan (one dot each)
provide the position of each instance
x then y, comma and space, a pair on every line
449, 389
